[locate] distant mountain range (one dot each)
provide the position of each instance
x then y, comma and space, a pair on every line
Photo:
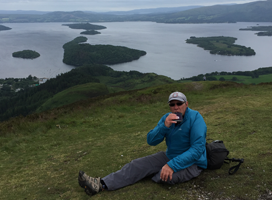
131, 12
152, 10
259, 11
25, 12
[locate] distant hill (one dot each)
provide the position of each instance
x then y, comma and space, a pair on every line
152, 10
31, 12
130, 12
259, 11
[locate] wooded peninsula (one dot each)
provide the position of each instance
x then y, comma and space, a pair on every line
265, 30
221, 45
4, 28
78, 53
27, 54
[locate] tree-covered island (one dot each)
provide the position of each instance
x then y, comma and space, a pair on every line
90, 32
86, 26
265, 30
221, 45
78, 53
27, 54
4, 28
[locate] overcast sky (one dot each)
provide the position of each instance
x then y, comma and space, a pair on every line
104, 5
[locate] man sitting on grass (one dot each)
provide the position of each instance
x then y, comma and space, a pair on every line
184, 130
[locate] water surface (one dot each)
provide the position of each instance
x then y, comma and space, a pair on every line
167, 52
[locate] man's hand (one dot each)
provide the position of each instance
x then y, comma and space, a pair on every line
169, 119
166, 172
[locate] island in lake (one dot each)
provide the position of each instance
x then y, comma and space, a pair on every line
4, 28
78, 53
86, 26
90, 32
221, 45
27, 54
265, 30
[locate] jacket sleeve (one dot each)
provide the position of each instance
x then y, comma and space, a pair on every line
157, 135
197, 146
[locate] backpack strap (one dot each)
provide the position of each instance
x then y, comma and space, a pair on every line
234, 169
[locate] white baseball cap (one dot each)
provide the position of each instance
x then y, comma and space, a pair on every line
177, 96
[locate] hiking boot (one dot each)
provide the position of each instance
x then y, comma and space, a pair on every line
90, 184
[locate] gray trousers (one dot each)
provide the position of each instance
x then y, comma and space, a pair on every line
150, 165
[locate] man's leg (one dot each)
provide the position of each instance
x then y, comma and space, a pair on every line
136, 170
180, 176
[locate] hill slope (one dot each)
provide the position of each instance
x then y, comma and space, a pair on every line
29, 100
259, 11
73, 94
41, 154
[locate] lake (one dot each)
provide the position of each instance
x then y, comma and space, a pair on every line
167, 52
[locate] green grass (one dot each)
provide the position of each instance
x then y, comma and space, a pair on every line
41, 154
73, 94
126, 82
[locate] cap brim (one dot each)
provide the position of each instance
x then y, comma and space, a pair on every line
175, 99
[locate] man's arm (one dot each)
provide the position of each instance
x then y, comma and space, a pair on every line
157, 135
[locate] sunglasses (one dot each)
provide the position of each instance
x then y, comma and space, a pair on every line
178, 104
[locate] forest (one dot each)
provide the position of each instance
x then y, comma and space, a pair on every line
264, 30
254, 74
27, 54
77, 53
9, 86
221, 45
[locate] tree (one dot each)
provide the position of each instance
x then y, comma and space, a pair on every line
222, 79
6, 88
211, 78
29, 77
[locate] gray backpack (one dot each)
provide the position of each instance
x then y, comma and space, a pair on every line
217, 155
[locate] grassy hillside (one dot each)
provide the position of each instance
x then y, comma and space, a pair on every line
73, 94
247, 79
28, 101
41, 154
107, 85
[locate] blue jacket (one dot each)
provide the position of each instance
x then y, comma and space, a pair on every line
186, 142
